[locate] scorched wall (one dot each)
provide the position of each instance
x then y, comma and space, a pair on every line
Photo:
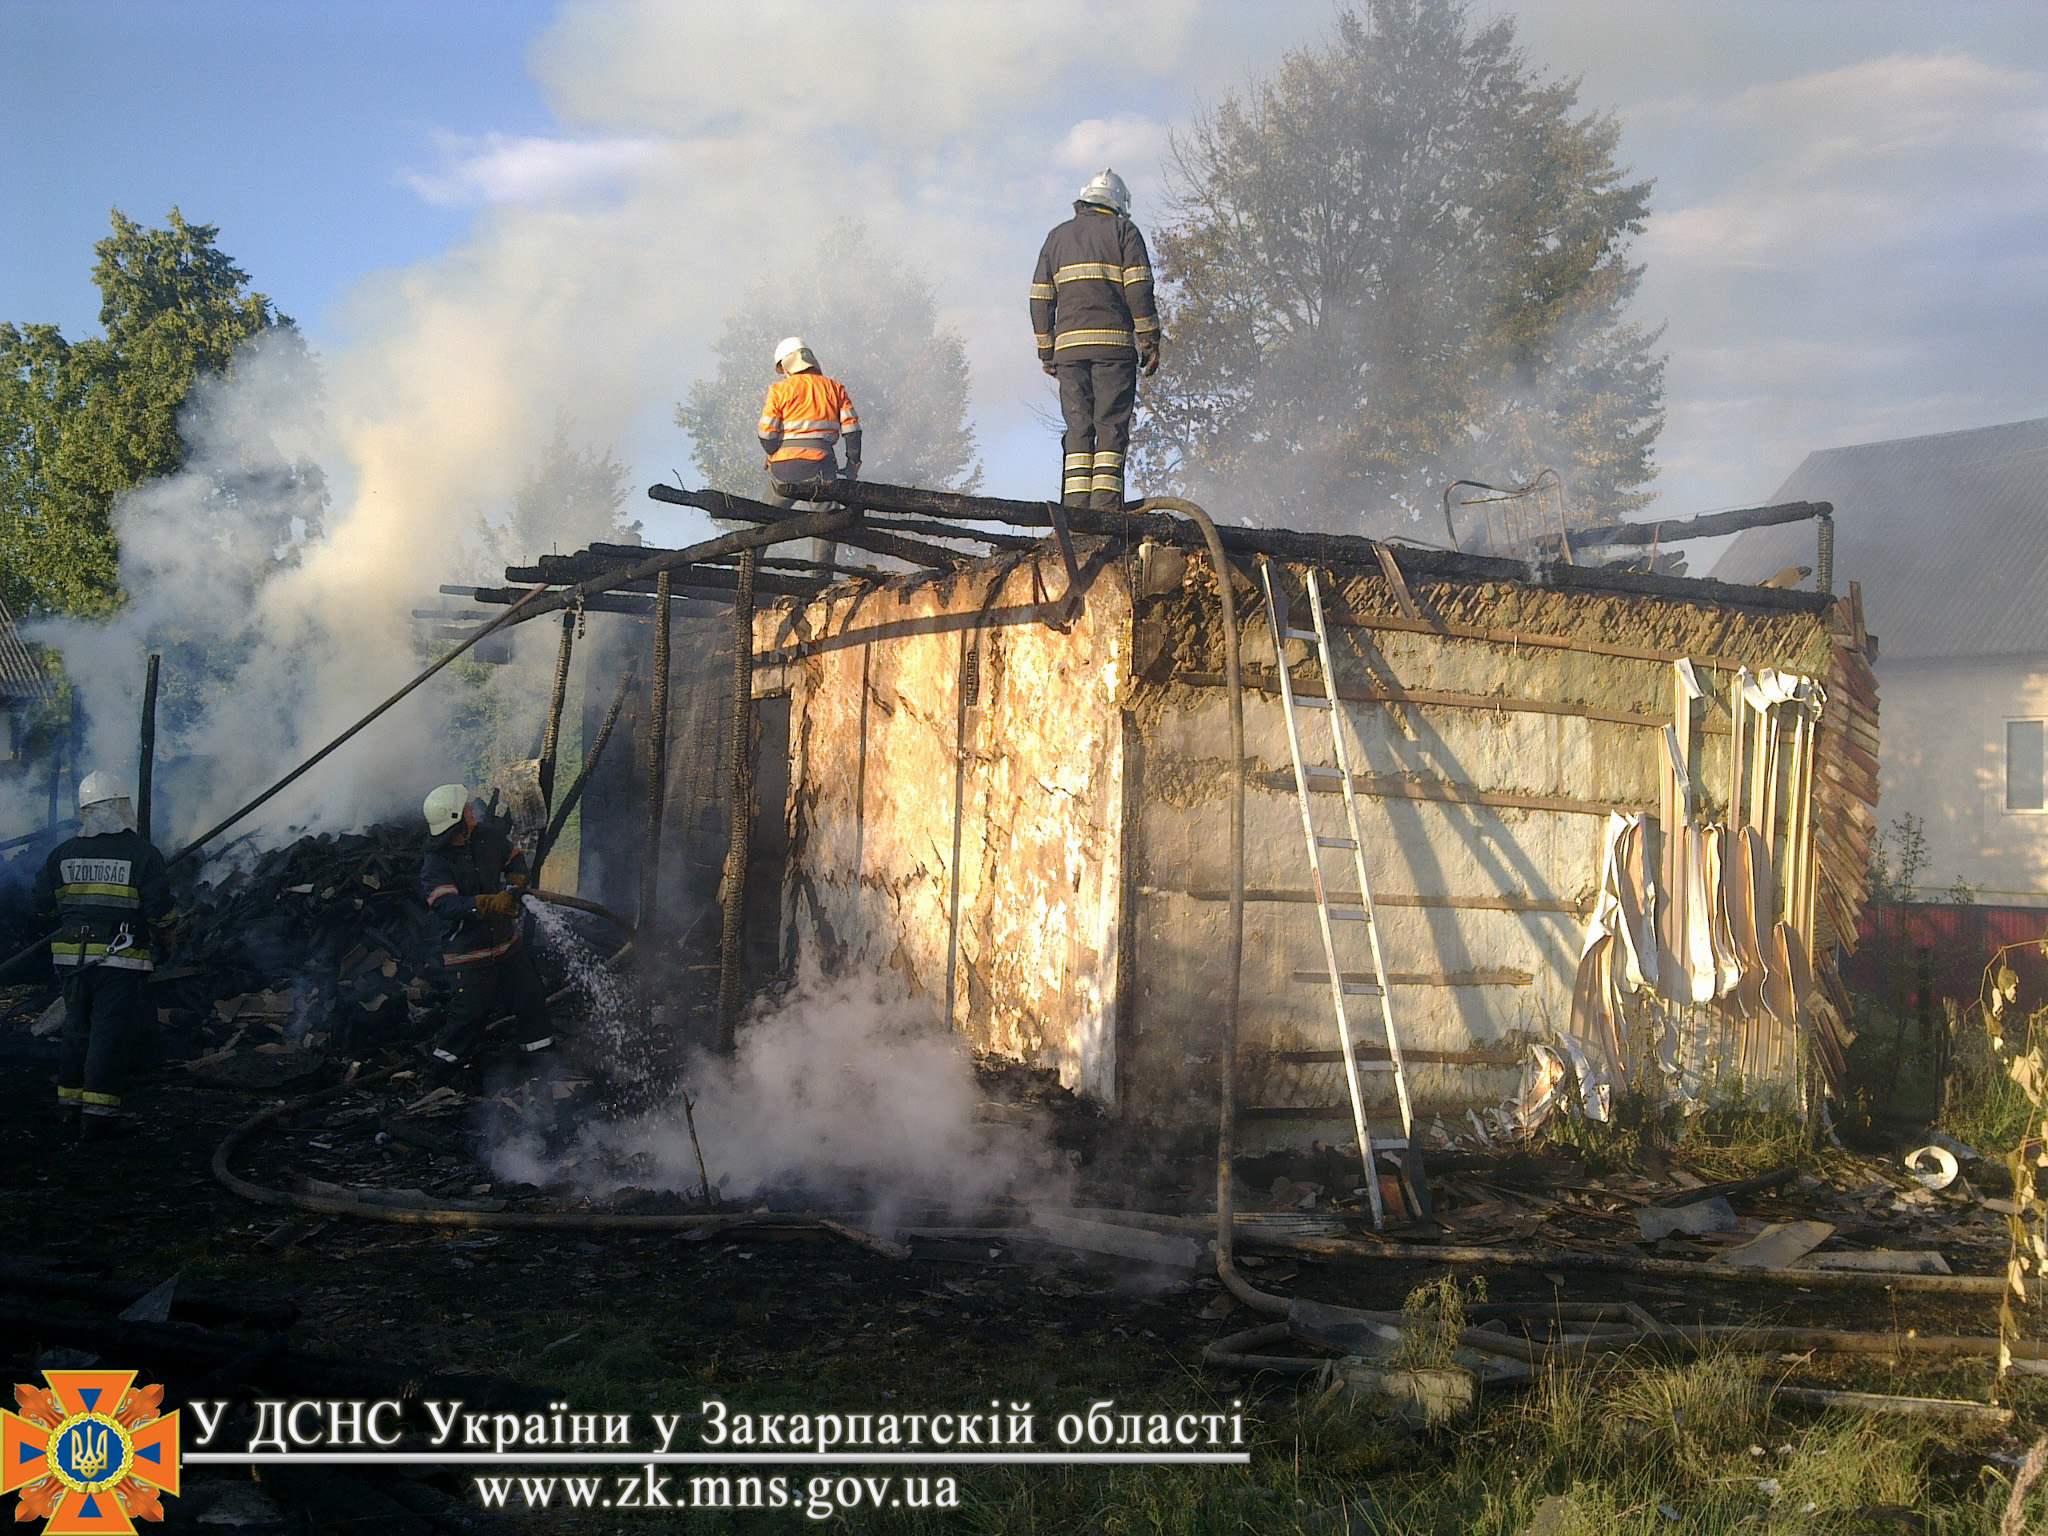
1028, 822
957, 794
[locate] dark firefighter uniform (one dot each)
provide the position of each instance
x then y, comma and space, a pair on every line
108, 895
490, 971
1092, 312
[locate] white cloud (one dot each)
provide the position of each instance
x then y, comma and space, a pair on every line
498, 168
1862, 252
1095, 142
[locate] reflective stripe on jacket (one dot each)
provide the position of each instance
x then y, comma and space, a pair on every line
1092, 293
804, 415
95, 888
452, 876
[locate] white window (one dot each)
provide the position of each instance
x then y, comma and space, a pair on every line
2026, 765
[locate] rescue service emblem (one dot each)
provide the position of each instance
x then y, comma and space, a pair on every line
88, 1453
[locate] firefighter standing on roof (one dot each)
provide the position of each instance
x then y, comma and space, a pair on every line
473, 877
1092, 311
110, 894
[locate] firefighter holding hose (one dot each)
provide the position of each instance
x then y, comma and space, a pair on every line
473, 877
109, 893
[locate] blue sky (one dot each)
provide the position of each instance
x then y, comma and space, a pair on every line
286, 124
483, 199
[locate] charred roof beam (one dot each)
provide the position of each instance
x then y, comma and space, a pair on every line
858, 535
1709, 526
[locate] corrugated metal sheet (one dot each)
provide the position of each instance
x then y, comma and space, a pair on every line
1911, 948
21, 677
1947, 534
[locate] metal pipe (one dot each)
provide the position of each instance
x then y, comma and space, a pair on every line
732, 935
145, 773
560, 818
1226, 1114
1824, 554
551, 740
327, 751
657, 762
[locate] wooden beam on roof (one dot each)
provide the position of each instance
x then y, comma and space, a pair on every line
1709, 525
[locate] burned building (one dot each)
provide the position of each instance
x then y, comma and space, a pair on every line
1005, 777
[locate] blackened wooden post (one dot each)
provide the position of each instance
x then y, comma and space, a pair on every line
657, 764
732, 941
145, 774
551, 741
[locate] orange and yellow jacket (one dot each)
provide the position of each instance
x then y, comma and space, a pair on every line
805, 414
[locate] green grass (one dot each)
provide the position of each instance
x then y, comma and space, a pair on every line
1618, 1446
1621, 1448
1984, 1107
1733, 1136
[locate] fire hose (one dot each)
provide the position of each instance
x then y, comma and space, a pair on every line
1226, 1127
520, 1221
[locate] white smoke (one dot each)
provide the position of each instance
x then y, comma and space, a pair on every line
696, 145
846, 1095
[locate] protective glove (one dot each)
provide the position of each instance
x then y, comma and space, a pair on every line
1148, 360
497, 904
1051, 371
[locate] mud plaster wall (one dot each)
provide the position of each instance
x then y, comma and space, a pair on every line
892, 769
1479, 981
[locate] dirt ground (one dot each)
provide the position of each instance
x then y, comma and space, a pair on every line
769, 1323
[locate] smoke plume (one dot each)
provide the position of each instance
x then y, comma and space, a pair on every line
600, 266
845, 1095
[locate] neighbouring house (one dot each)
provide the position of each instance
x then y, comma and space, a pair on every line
1947, 537
23, 686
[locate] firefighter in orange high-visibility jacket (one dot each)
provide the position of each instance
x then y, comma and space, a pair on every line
802, 419
1096, 325
473, 878
109, 893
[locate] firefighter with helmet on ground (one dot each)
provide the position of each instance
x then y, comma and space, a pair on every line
109, 894
473, 878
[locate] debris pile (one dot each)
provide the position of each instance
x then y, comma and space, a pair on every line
323, 943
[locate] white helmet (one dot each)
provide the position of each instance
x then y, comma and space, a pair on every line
444, 808
1107, 191
792, 356
99, 788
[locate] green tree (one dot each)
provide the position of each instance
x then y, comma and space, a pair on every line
573, 494
1400, 261
875, 327
82, 422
